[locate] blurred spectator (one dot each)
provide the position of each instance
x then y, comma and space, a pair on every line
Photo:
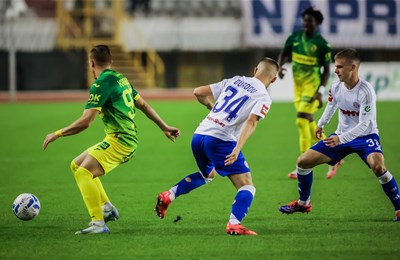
139, 5
15, 8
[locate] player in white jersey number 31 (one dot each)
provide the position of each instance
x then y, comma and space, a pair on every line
357, 132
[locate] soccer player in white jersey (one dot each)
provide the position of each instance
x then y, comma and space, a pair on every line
240, 102
357, 132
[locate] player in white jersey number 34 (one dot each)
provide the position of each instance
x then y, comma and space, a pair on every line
240, 102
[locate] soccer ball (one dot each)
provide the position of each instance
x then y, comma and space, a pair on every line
26, 206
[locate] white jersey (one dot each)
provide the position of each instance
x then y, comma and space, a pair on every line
357, 110
236, 99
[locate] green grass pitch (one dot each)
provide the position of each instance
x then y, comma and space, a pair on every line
351, 217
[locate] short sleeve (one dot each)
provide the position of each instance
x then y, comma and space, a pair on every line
261, 108
217, 88
288, 44
98, 96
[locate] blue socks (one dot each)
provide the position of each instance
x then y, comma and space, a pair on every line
242, 203
189, 183
305, 179
391, 189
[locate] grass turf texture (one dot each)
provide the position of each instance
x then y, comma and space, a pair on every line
351, 217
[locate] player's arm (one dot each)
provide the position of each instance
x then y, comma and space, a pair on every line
203, 95
246, 131
76, 127
329, 111
283, 57
170, 131
324, 81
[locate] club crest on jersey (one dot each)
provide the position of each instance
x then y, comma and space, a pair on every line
356, 105
330, 97
264, 110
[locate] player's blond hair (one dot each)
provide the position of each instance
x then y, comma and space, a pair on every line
350, 54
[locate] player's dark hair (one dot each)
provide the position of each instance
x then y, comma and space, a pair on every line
101, 55
314, 13
350, 54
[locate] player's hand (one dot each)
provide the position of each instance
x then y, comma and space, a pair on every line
332, 141
172, 133
282, 72
49, 138
232, 157
318, 132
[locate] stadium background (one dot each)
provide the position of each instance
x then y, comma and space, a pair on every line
180, 44
165, 51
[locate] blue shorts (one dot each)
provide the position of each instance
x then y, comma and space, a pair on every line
210, 153
363, 146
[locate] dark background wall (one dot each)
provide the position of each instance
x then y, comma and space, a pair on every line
64, 70
46, 70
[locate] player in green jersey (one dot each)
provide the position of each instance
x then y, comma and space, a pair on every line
309, 52
114, 99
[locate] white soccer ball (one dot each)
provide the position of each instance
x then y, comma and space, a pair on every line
26, 206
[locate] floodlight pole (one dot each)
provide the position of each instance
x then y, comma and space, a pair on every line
12, 64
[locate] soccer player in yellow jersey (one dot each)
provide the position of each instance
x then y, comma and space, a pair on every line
112, 98
309, 52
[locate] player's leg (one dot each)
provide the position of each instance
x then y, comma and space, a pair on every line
332, 169
241, 203
99, 160
189, 182
387, 180
84, 175
110, 213
305, 108
305, 165
243, 183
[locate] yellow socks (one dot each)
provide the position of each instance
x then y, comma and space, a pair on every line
90, 193
304, 134
103, 195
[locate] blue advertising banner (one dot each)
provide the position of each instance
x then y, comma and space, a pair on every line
347, 23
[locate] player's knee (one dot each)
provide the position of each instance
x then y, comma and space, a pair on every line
301, 122
302, 163
378, 169
209, 177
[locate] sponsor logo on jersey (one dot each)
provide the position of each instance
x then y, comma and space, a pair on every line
104, 145
356, 105
367, 109
96, 85
94, 99
264, 109
349, 113
215, 121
